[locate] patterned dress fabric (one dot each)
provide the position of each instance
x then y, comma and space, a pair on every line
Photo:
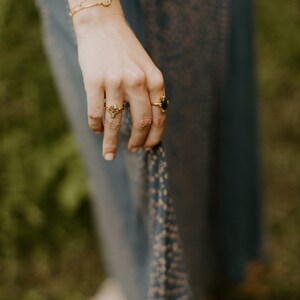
172, 232
168, 278
188, 41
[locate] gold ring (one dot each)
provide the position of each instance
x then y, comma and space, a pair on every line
114, 109
163, 103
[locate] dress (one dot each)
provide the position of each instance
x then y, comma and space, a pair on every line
211, 228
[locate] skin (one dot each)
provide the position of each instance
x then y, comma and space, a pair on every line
116, 67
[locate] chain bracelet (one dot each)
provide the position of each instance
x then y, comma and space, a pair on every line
80, 6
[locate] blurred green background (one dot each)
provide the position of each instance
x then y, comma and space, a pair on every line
45, 223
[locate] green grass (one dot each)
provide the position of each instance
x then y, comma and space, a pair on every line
278, 30
47, 244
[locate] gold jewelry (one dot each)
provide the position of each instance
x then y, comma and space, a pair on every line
163, 103
114, 109
80, 6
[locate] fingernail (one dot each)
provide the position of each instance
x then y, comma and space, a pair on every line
148, 149
98, 132
109, 156
134, 149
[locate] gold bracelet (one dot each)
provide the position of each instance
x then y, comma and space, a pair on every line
80, 6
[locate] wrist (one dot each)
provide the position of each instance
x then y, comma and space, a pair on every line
98, 15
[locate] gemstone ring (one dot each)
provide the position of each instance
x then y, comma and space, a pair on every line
163, 103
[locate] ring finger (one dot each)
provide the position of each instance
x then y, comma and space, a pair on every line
156, 93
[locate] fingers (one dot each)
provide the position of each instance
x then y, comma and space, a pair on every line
95, 101
138, 88
138, 97
156, 90
113, 118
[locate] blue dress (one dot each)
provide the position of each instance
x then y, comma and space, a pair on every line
173, 234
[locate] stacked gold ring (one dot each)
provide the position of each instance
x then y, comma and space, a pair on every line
113, 109
163, 103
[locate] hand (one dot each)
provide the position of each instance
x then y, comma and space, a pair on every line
116, 67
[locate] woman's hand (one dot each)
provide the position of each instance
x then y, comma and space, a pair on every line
116, 68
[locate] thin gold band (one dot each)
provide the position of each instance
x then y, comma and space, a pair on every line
80, 6
113, 110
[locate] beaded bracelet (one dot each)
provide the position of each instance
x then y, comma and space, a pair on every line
80, 6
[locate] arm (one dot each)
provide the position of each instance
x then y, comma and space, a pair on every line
116, 67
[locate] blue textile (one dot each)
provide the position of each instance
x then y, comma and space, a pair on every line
218, 212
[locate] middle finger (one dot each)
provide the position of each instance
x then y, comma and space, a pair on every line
112, 121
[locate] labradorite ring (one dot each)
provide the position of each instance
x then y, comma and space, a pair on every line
163, 103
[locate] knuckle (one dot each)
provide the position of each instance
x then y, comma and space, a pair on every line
95, 117
135, 78
159, 122
113, 124
144, 123
137, 142
95, 121
151, 143
113, 79
157, 80
95, 127
92, 82
109, 145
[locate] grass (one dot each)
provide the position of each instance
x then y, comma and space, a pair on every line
47, 245
279, 73
47, 248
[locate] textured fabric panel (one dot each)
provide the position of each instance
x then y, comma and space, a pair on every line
205, 51
187, 39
